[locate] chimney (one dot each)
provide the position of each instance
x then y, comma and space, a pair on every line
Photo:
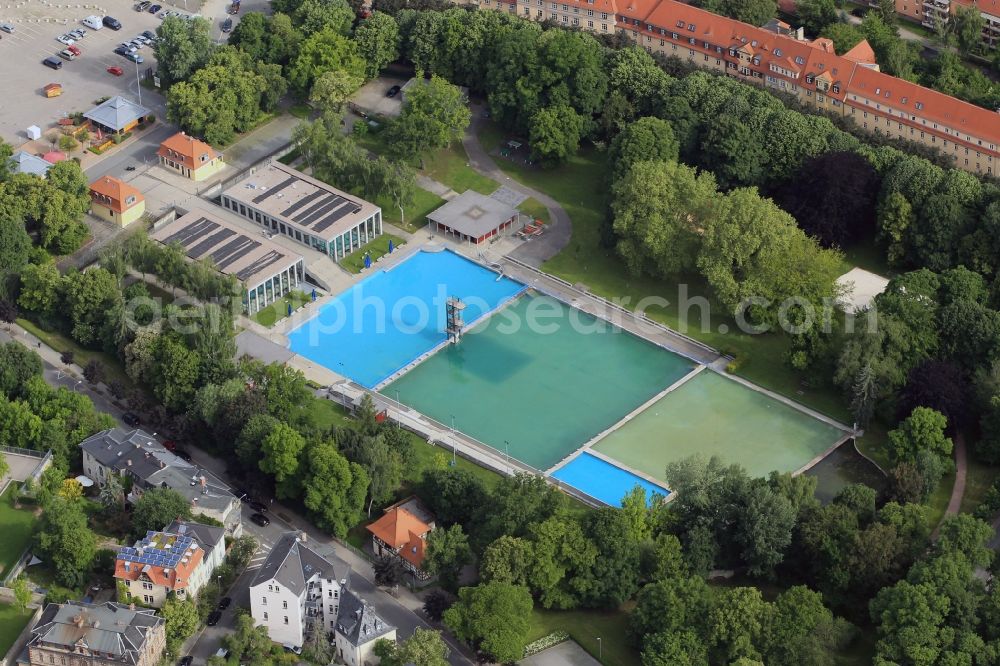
78, 620
303, 536
96, 624
128, 463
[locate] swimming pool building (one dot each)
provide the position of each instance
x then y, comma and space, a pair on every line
287, 201
266, 270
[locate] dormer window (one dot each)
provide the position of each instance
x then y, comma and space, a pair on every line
753, 43
777, 52
903, 101
799, 60
836, 87
809, 78
129, 200
820, 65
680, 24
691, 27
920, 106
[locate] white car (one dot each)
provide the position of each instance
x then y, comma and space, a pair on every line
66, 39
77, 34
94, 22
7, 27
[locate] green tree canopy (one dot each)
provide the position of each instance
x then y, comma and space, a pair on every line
157, 508
492, 617
377, 38
326, 50
446, 553
434, 115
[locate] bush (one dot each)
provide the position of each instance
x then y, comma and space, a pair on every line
58, 595
545, 642
734, 366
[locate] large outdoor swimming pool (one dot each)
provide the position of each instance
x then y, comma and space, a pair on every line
393, 317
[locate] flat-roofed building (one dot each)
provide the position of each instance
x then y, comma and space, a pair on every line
473, 217
289, 202
266, 270
190, 157
116, 201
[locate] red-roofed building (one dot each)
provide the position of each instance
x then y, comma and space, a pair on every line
159, 564
402, 531
190, 157
116, 201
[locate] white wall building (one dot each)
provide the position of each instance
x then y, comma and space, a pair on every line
359, 627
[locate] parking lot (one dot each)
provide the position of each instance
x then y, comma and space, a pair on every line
84, 80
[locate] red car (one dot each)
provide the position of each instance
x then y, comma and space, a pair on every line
117, 71
75, 50
170, 445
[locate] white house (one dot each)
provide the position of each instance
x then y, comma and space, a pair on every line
295, 587
359, 627
212, 541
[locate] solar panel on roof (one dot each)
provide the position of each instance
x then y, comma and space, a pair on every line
307, 220
274, 190
304, 201
205, 246
234, 250
332, 218
260, 264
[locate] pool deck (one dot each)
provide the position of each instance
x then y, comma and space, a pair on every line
343, 390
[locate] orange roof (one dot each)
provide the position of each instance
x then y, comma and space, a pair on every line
862, 53
187, 150
397, 527
988, 6
111, 192
176, 578
413, 550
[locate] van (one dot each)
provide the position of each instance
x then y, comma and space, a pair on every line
93, 22
53, 62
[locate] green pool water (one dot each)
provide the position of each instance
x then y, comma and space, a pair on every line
546, 389
713, 415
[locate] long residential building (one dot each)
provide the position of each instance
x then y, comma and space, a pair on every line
810, 71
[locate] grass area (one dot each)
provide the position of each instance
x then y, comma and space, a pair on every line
579, 186
18, 525
278, 310
12, 622
978, 479
534, 209
585, 627
301, 111
377, 247
292, 155
867, 254
264, 119
113, 368
414, 214
449, 166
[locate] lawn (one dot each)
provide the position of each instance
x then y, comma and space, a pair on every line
113, 368
301, 111
377, 247
18, 525
580, 186
585, 627
534, 209
415, 213
278, 310
978, 480
292, 155
449, 166
12, 622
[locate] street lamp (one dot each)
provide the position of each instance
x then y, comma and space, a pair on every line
77, 384
138, 85
454, 443
219, 578
600, 649
506, 450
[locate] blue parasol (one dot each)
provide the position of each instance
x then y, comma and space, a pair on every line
391, 246
314, 294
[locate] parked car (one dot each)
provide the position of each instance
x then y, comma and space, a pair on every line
224, 603
75, 50
7, 27
112, 22
77, 34
131, 419
292, 648
65, 39
260, 519
182, 454
393, 91
213, 618
116, 70
259, 507
53, 62
150, 35
93, 22
143, 6
186, 661
170, 445
155, 8
66, 54
227, 25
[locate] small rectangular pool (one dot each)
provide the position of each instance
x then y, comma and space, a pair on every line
602, 480
391, 318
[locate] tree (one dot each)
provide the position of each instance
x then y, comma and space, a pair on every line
280, 451
508, 560
844, 35
20, 427
965, 534
922, 430
737, 623
15, 245
183, 46
22, 593
334, 489
802, 630
671, 648
453, 494
39, 287
434, 115
938, 385
554, 134
324, 51
156, 508
764, 529
657, 209
493, 618
436, 603
447, 551
181, 619
332, 89
513, 507
112, 494
733, 152
17, 366
384, 467
649, 139
317, 647
754, 12
63, 539
967, 24
377, 38
815, 15
173, 371
424, 647
249, 643
614, 574
315, 15
88, 297
561, 559
388, 571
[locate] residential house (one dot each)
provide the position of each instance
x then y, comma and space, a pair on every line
402, 532
190, 157
817, 77
82, 634
159, 564
116, 201
25, 162
295, 587
211, 539
359, 627
136, 455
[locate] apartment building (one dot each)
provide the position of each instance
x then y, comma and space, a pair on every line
160, 564
593, 15
108, 634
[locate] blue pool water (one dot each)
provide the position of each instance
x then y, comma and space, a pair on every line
602, 480
389, 319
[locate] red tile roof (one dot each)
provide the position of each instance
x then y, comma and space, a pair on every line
403, 532
862, 53
186, 150
111, 192
176, 578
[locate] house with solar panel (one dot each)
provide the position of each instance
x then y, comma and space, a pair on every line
96, 635
287, 201
159, 564
265, 270
295, 587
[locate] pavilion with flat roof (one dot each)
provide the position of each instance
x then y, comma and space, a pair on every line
473, 217
266, 270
